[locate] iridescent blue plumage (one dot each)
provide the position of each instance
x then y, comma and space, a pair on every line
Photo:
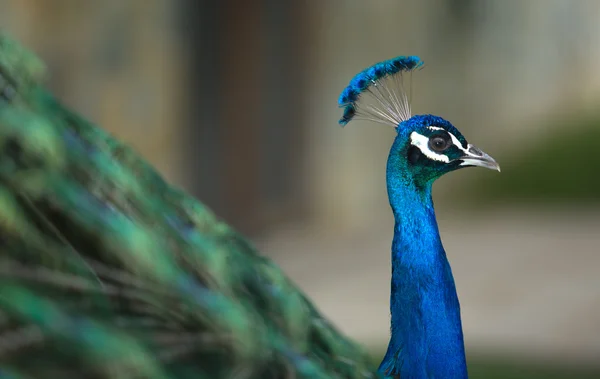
426, 336
371, 76
426, 333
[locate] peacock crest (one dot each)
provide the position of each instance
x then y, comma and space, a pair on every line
379, 94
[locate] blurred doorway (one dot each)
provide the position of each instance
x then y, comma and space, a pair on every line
246, 109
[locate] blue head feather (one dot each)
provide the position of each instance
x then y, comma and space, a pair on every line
373, 76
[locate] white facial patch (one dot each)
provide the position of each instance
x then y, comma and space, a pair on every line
422, 143
457, 143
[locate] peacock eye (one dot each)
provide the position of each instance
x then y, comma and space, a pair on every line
439, 143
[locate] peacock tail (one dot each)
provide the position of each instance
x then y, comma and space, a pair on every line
107, 271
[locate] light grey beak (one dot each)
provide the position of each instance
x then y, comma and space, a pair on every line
475, 157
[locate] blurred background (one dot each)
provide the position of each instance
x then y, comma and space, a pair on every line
235, 101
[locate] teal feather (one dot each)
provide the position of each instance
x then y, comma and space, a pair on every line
107, 271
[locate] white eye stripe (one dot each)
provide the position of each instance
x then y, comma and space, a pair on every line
422, 143
457, 143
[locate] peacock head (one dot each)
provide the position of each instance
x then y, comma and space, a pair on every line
426, 146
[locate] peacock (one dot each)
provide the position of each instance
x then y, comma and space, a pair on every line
107, 271
426, 332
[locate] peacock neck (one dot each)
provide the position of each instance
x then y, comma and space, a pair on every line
426, 333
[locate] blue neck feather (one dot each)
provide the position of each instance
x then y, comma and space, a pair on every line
426, 334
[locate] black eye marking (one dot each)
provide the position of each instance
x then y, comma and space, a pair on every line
440, 141
414, 154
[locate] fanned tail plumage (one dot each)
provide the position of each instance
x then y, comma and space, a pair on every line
108, 272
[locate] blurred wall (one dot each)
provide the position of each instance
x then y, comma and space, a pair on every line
119, 63
236, 100
211, 92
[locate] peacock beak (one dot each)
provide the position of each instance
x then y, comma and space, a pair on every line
475, 157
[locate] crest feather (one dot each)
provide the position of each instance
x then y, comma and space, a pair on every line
383, 82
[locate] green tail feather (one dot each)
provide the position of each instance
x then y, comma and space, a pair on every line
106, 271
